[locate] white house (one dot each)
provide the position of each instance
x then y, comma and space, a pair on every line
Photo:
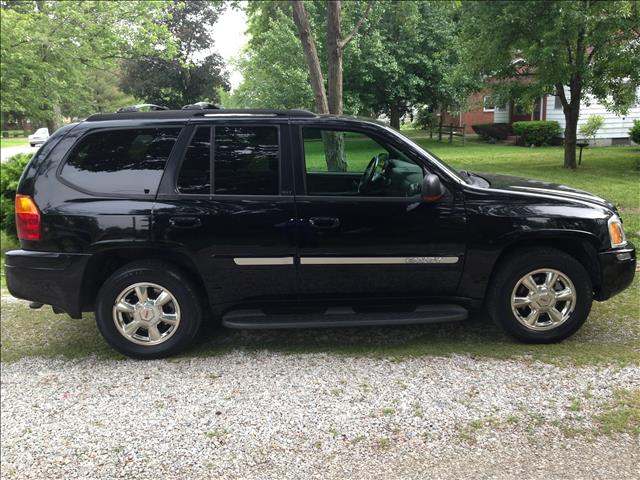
615, 130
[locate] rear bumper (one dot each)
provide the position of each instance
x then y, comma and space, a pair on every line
618, 268
47, 277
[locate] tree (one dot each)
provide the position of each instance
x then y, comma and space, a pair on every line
336, 43
405, 56
192, 75
274, 73
50, 49
571, 49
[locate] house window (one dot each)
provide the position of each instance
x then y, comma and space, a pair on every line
557, 103
487, 106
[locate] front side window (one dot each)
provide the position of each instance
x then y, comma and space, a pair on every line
350, 163
127, 161
246, 161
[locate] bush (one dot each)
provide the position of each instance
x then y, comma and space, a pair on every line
494, 131
537, 132
425, 119
634, 133
591, 127
9, 177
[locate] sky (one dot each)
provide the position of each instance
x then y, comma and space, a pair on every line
229, 38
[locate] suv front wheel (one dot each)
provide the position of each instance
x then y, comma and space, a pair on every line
540, 295
148, 310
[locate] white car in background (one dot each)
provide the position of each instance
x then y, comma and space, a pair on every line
39, 137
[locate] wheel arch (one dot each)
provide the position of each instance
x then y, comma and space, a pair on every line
582, 248
104, 263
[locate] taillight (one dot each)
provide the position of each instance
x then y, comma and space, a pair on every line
27, 218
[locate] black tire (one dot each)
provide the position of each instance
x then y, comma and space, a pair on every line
169, 278
515, 267
32, 145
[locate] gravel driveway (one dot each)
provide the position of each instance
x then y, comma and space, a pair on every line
269, 415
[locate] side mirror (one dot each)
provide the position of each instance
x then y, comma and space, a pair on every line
432, 189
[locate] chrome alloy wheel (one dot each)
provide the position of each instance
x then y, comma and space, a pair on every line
146, 314
543, 299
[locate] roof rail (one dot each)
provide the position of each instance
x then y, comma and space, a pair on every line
201, 106
139, 108
183, 114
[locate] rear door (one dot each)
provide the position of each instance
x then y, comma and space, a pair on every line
227, 203
367, 233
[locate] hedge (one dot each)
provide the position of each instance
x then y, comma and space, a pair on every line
9, 177
537, 132
495, 131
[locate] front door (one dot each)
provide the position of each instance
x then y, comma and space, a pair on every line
363, 229
227, 204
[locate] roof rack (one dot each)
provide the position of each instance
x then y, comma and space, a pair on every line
142, 107
180, 114
201, 106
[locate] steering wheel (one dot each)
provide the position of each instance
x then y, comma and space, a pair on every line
369, 173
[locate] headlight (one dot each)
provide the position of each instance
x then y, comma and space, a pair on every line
616, 232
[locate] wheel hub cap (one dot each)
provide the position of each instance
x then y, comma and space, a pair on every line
146, 314
543, 299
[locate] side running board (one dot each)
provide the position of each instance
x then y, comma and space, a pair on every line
343, 317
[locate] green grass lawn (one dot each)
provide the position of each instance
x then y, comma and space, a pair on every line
14, 142
611, 335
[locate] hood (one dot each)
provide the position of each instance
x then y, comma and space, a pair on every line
526, 185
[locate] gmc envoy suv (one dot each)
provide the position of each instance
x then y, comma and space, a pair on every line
275, 219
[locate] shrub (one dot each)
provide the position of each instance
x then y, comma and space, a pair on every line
537, 132
9, 177
591, 127
495, 131
425, 119
634, 133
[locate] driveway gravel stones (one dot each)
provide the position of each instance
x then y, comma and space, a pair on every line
267, 415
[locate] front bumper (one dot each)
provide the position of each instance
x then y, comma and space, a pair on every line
47, 277
617, 268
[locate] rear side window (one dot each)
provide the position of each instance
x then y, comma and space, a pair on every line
246, 161
195, 173
121, 161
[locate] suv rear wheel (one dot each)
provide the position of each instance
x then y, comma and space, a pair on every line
148, 310
540, 295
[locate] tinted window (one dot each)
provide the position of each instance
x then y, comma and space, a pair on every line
121, 161
195, 173
246, 161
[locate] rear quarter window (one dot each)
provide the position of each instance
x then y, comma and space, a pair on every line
128, 161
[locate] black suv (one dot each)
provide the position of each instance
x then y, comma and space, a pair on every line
274, 219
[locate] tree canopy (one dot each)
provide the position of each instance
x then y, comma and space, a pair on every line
404, 54
52, 51
570, 49
195, 73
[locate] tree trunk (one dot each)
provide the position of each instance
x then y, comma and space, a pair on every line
570, 136
311, 55
394, 115
334, 151
55, 120
334, 54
